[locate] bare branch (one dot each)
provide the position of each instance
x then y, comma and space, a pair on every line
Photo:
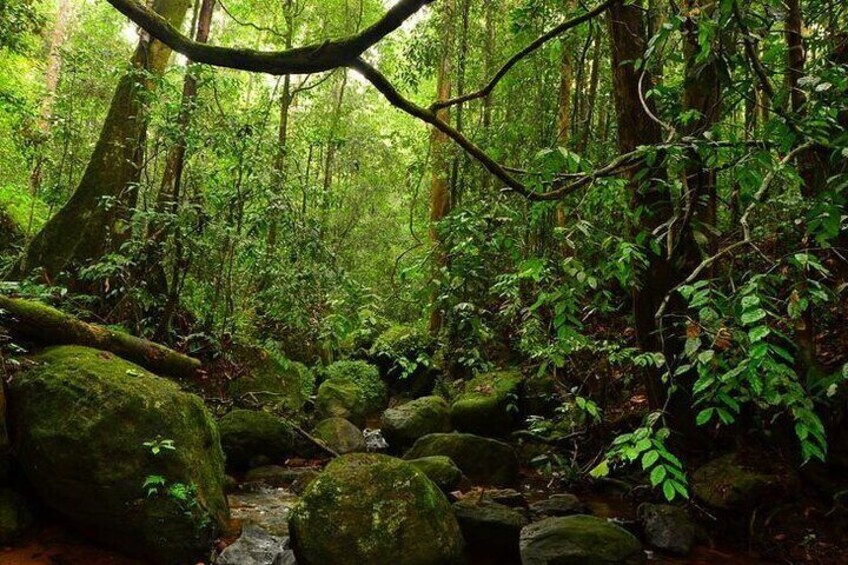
301, 60
558, 30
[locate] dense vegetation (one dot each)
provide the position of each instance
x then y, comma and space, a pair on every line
614, 234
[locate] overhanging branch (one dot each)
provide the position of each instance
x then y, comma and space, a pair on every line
301, 60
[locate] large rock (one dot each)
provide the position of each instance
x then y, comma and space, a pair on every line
727, 483
441, 470
404, 356
488, 406
340, 435
366, 377
255, 546
374, 509
271, 380
484, 461
252, 438
667, 527
341, 398
557, 505
15, 515
579, 540
89, 430
406, 423
489, 527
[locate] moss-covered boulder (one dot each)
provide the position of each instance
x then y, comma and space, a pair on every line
488, 405
271, 379
483, 460
404, 424
579, 540
16, 515
404, 356
340, 435
728, 483
341, 398
122, 454
375, 509
253, 438
375, 394
441, 470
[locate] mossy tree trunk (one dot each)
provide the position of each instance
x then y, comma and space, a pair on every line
94, 220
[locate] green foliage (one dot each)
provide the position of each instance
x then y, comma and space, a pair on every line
403, 350
366, 377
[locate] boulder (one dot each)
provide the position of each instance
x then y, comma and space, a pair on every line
255, 546
366, 377
340, 435
16, 515
557, 505
271, 380
484, 461
441, 470
341, 398
506, 496
404, 356
252, 438
489, 527
579, 540
375, 509
667, 527
488, 405
727, 483
404, 424
123, 455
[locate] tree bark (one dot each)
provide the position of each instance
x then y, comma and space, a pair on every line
95, 216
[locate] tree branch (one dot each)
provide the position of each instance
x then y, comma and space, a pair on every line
558, 30
301, 60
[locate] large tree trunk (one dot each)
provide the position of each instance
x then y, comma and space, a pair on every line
628, 41
89, 224
440, 201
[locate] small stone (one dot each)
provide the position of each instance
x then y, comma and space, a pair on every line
557, 505
340, 435
667, 527
506, 496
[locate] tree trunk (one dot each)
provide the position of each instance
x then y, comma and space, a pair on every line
87, 226
440, 202
628, 42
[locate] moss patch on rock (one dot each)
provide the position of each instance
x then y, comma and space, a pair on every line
79, 421
488, 405
341, 398
375, 509
272, 380
404, 424
579, 540
726, 483
367, 377
439, 469
340, 435
252, 438
483, 460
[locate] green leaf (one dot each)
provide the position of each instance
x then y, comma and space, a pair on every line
657, 475
600, 470
649, 458
704, 416
669, 491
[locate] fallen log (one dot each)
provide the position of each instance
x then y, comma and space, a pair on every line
46, 325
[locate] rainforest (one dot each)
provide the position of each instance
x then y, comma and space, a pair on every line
423, 282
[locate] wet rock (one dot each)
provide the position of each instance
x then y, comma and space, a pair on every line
266, 508
341, 398
488, 406
340, 435
252, 438
557, 505
85, 424
16, 515
484, 461
667, 527
375, 509
488, 526
578, 540
441, 470
404, 424
255, 546
727, 483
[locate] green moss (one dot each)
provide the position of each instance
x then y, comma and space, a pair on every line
341, 398
398, 347
404, 424
579, 540
485, 461
80, 419
272, 379
488, 404
439, 469
366, 377
726, 483
340, 435
368, 508
251, 438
